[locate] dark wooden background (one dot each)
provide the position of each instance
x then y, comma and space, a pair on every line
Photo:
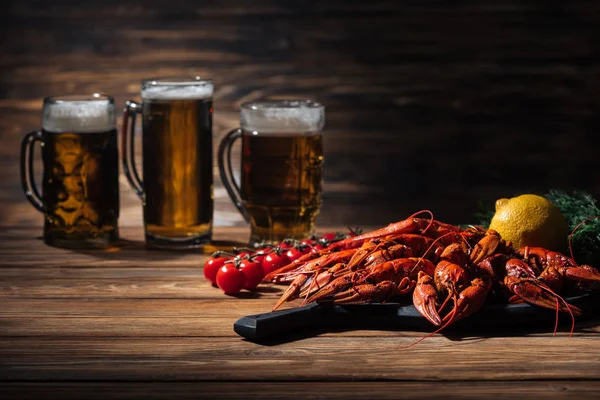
430, 104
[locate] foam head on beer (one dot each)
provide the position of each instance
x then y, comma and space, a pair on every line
180, 90
79, 114
282, 117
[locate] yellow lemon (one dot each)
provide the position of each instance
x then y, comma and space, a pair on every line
530, 220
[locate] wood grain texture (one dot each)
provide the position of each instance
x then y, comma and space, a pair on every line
317, 359
321, 390
81, 325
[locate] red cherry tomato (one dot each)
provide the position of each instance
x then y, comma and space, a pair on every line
243, 254
308, 245
329, 236
294, 254
253, 271
259, 256
230, 279
274, 261
284, 245
211, 267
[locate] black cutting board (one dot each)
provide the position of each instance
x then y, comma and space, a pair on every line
277, 324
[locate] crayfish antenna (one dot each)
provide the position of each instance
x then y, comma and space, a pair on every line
430, 334
424, 212
575, 230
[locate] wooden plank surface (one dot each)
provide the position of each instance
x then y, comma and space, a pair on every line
130, 323
145, 321
332, 358
326, 390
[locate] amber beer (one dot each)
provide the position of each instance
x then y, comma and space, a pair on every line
281, 168
281, 182
177, 163
177, 148
80, 188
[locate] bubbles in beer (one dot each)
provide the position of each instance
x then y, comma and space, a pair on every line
175, 92
84, 116
282, 117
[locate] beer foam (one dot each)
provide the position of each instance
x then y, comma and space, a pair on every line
79, 116
282, 117
187, 91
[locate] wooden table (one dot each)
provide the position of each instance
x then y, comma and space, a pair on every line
135, 323
436, 105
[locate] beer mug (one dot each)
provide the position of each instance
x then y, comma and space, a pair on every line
80, 186
177, 188
281, 181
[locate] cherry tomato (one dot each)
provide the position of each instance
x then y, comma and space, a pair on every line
211, 267
230, 279
294, 254
329, 236
242, 254
284, 245
253, 271
274, 261
259, 256
311, 245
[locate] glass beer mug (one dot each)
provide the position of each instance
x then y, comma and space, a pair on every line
80, 186
177, 188
281, 180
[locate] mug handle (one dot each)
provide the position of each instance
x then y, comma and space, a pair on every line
27, 179
226, 171
127, 150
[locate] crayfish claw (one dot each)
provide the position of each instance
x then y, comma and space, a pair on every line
292, 291
537, 294
583, 273
425, 298
341, 283
486, 246
469, 301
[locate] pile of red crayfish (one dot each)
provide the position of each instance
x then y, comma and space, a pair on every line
450, 272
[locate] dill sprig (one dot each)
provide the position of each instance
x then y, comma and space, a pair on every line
577, 207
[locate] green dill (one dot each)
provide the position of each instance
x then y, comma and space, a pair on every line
577, 207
